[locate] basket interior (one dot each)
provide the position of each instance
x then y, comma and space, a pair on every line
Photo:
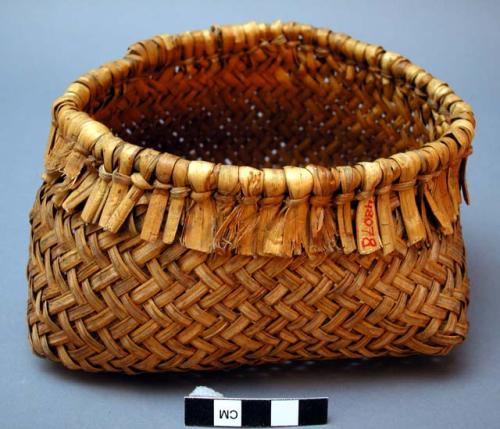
296, 106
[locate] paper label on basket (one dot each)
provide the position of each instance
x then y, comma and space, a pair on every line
236, 412
367, 226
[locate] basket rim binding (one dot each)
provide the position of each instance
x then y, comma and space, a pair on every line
82, 150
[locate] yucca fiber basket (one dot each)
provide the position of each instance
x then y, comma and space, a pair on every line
250, 194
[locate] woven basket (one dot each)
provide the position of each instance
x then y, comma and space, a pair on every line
250, 194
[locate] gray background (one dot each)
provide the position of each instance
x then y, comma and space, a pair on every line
44, 45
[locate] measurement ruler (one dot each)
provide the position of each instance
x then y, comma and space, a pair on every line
238, 412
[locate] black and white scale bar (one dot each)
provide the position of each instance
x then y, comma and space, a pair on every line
229, 412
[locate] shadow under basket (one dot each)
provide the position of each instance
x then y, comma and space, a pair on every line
250, 194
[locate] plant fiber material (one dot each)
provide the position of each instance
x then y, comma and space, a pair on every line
249, 194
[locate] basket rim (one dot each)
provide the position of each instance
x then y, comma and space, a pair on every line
87, 139
67, 110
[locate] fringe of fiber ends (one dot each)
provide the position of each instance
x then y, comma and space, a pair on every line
56, 153
289, 235
254, 215
236, 231
323, 229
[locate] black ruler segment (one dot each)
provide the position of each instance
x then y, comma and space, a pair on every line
198, 412
313, 411
235, 412
256, 413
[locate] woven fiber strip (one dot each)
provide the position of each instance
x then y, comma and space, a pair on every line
250, 194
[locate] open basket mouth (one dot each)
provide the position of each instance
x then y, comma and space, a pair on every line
274, 102
263, 139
